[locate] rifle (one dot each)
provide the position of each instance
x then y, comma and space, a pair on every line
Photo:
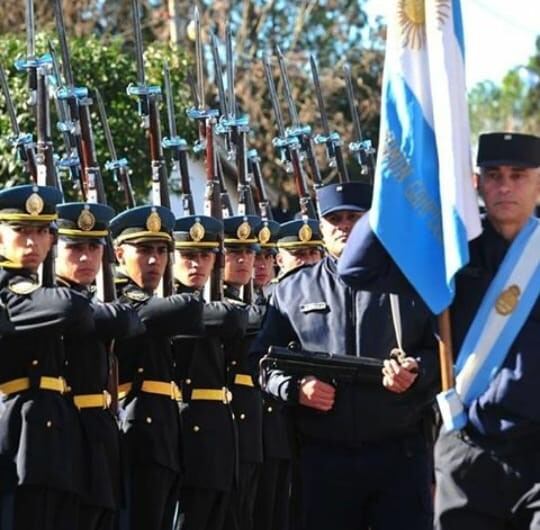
301, 131
71, 160
254, 161
331, 140
23, 142
289, 147
69, 93
207, 119
148, 98
362, 149
118, 166
178, 147
322, 365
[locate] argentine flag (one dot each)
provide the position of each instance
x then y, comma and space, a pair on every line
424, 208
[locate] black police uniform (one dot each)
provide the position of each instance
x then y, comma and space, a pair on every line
366, 462
41, 463
487, 474
87, 372
150, 415
210, 449
241, 232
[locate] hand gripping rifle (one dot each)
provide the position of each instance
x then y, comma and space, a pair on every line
23, 142
118, 166
301, 131
289, 147
331, 140
149, 98
178, 147
326, 366
362, 149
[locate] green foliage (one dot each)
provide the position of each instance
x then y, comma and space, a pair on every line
109, 66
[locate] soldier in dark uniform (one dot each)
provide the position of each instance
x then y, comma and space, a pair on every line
273, 492
240, 246
150, 414
40, 436
265, 264
209, 432
364, 458
299, 243
487, 473
82, 236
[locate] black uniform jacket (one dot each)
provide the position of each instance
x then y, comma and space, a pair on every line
40, 434
151, 422
247, 400
314, 308
209, 436
87, 367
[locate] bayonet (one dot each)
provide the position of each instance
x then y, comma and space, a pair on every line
199, 60
23, 142
31, 63
331, 140
118, 166
229, 60
301, 131
362, 149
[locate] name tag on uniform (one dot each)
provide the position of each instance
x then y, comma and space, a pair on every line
314, 306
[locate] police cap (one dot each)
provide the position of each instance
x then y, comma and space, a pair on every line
241, 231
511, 149
143, 223
29, 204
300, 233
352, 196
79, 222
198, 232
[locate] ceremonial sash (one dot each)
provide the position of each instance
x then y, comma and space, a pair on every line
502, 313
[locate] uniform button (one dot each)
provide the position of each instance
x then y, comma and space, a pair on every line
269, 409
242, 416
35, 362
140, 370
66, 363
196, 428
148, 419
188, 381
49, 424
233, 363
233, 416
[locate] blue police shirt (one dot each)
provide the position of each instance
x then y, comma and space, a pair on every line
314, 308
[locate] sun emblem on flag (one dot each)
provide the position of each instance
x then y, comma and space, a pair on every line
412, 20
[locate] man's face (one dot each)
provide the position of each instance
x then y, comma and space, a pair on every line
26, 245
509, 193
336, 228
294, 258
264, 268
144, 262
79, 262
193, 268
238, 266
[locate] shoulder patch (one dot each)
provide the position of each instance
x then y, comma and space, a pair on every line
23, 287
314, 307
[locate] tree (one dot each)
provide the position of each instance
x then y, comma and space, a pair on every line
103, 64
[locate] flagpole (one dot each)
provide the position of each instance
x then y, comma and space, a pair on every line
446, 357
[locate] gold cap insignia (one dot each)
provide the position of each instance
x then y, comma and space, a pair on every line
508, 300
305, 233
34, 204
86, 220
265, 234
197, 232
153, 223
244, 230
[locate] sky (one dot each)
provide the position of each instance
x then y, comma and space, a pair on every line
499, 34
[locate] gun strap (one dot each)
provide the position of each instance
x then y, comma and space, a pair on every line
396, 319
